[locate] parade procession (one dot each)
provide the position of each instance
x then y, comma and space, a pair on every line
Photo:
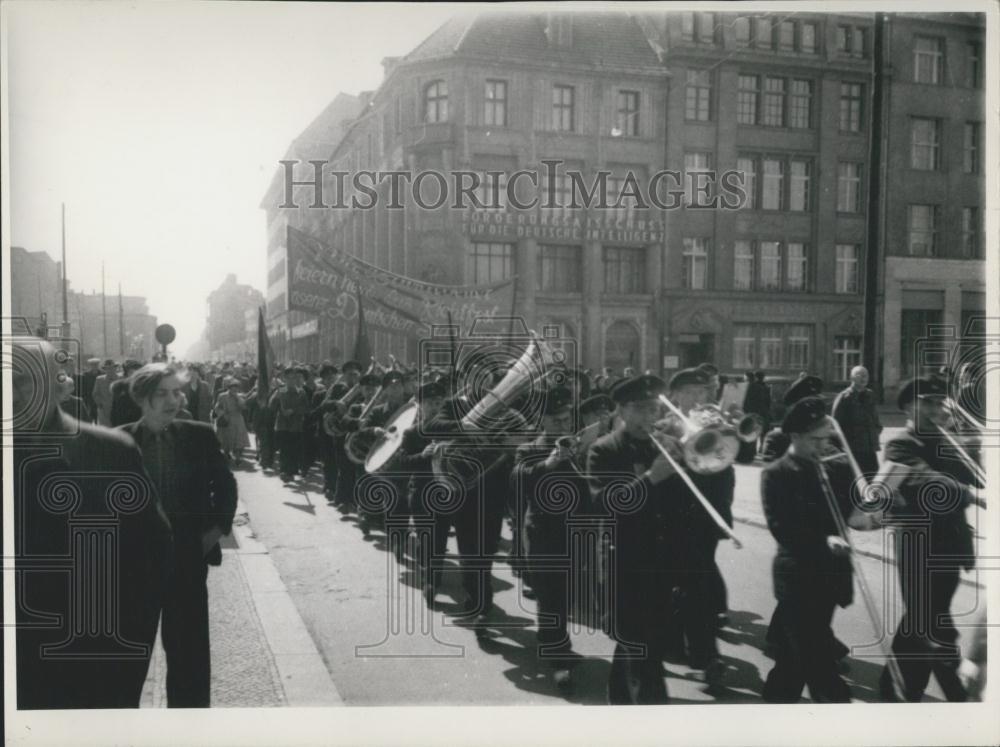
618, 356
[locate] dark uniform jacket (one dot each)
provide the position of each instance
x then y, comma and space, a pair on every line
799, 516
416, 470
638, 513
551, 495
66, 484
207, 489
123, 407
858, 417
776, 443
932, 494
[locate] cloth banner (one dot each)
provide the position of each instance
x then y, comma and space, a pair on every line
325, 281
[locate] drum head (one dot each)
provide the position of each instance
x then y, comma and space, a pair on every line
388, 444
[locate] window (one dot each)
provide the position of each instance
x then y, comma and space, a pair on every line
774, 102
436, 102
848, 187
624, 270
924, 144
773, 185
748, 165
695, 163
628, 113
928, 60
698, 95
970, 233
970, 148
744, 342
799, 185
743, 268
562, 108
763, 32
696, 263
560, 269
771, 343
796, 263
746, 99
706, 28
496, 103
807, 40
914, 328
770, 265
492, 190
557, 196
799, 346
851, 41
687, 26
622, 346
923, 230
491, 263
786, 36
613, 193
741, 29
850, 107
974, 50
800, 104
846, 355
847, 268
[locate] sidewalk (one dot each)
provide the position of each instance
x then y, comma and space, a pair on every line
262, 655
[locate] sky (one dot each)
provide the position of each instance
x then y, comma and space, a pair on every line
160, 125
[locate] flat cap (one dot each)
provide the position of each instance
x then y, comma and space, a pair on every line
922, 386
808, 386
351, 366
595, 403
710, 368
689, 377
804, 415
637, 388
391, 377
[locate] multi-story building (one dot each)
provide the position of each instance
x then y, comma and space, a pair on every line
35, 287
227, 308
783, 99
292, 333
934, 194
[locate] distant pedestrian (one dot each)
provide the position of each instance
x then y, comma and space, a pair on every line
291, 406
856, 411
230, 425
102, 391
198, 393
198, 493
123, 407
758, 400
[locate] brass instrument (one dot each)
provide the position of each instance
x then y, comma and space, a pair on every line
578, 443
708, 441
719, 521
331, 421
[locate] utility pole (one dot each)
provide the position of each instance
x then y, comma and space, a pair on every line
874, 252
65, 303
121, 323
104, 313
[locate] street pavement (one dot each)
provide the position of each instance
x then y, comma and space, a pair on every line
377, 642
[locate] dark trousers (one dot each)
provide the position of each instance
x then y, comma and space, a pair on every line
926, 639
477, 530
347, 475
265, 446
868, 461
184, 630
290, 454
551, 587
636, 677
696, 602
329, 460
804, 655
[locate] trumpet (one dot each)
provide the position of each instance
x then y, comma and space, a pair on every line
709, 442
357, 445
331, 421
578, 443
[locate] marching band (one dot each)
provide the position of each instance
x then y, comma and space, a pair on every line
651, 463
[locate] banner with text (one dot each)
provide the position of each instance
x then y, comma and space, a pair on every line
325, 281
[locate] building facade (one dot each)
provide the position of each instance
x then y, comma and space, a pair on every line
225, 330
783, 101
934, 196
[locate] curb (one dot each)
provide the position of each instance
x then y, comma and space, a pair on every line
304, 677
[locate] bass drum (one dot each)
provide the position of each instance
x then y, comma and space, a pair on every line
385, 446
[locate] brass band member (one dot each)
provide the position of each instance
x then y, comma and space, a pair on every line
628, 481
776, 442
324, 441
812, 570
347, 471
931, 524
351, 372
694, 539
546, 481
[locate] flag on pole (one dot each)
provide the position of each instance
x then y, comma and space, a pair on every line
265, 359
362, 348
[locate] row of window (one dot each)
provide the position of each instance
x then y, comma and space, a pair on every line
758, 266
762, 32
926, 136
789, 346
924, 236
929, 62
